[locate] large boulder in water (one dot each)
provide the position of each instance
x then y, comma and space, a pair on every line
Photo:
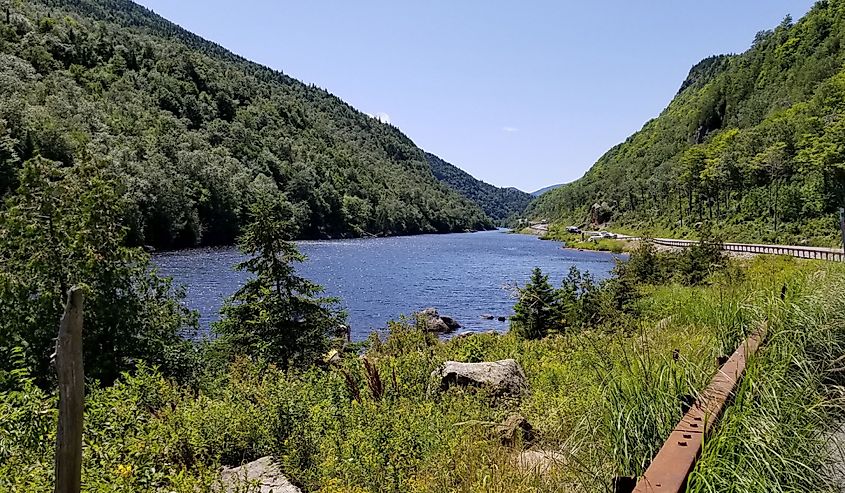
262, 476
450, 322
434, 322
502, 378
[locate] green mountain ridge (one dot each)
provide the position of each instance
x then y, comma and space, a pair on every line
543, 190
498, 203
753, 142
194, 131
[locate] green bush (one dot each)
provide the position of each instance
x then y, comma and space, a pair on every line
62, 228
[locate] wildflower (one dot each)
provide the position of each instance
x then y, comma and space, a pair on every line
124, 470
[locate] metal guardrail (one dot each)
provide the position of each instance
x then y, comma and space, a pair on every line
669, 470
794, 251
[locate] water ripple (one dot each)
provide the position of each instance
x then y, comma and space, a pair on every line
463, 275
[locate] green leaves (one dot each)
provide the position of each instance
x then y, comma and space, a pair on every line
189, 127
746, 143
63, 227
276, 315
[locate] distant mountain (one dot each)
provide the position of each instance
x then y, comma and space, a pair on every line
546, 189
498, 203
193, 131
754, 143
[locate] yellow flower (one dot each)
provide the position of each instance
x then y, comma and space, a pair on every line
124, 470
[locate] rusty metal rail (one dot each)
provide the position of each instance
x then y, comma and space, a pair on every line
672, 465
794, 251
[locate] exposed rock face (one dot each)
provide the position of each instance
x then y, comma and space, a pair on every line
261, 476
540, 461
503, 378
515, 430
434, 322
450, 322
436, 325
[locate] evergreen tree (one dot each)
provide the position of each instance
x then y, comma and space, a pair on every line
537, 312
277, 315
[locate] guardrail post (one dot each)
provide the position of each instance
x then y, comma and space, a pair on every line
69, 367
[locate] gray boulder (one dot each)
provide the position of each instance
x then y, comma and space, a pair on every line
502, 378
450, 322
540, 461
434, 322
259, 476
468, 333
515, 430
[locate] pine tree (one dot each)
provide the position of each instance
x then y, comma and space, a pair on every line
277, 315
537, 311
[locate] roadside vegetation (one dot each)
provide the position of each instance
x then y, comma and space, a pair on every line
577, 241
609, 366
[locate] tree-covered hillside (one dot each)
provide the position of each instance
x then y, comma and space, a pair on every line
543, 190
754, 142
498, 203
194, 131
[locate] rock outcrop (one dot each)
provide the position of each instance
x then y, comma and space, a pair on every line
469, 333
515, 430
540, 461
502, 378
434, 322
261, 476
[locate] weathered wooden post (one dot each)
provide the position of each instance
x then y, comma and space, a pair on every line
71, 394
842, 226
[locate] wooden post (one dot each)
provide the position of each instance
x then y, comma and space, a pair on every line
71, 394
842, 226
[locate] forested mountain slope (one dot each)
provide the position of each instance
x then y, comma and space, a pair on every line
754, 142
498, 203
544, 190
193, 131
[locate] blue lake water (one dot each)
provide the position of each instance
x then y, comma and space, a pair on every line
463, 275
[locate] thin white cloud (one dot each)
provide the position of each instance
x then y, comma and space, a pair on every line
381, 116
510, 130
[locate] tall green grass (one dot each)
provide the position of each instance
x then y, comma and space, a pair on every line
777, 434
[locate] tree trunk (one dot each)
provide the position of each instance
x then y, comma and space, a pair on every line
69, 367
775, 210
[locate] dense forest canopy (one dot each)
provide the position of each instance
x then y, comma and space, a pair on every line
753, 142
193, 131
498, 203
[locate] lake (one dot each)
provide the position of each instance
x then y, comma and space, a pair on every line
463, 275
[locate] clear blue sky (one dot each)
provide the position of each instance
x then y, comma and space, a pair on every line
522, 94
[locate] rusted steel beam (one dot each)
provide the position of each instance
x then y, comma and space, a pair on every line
672, 465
